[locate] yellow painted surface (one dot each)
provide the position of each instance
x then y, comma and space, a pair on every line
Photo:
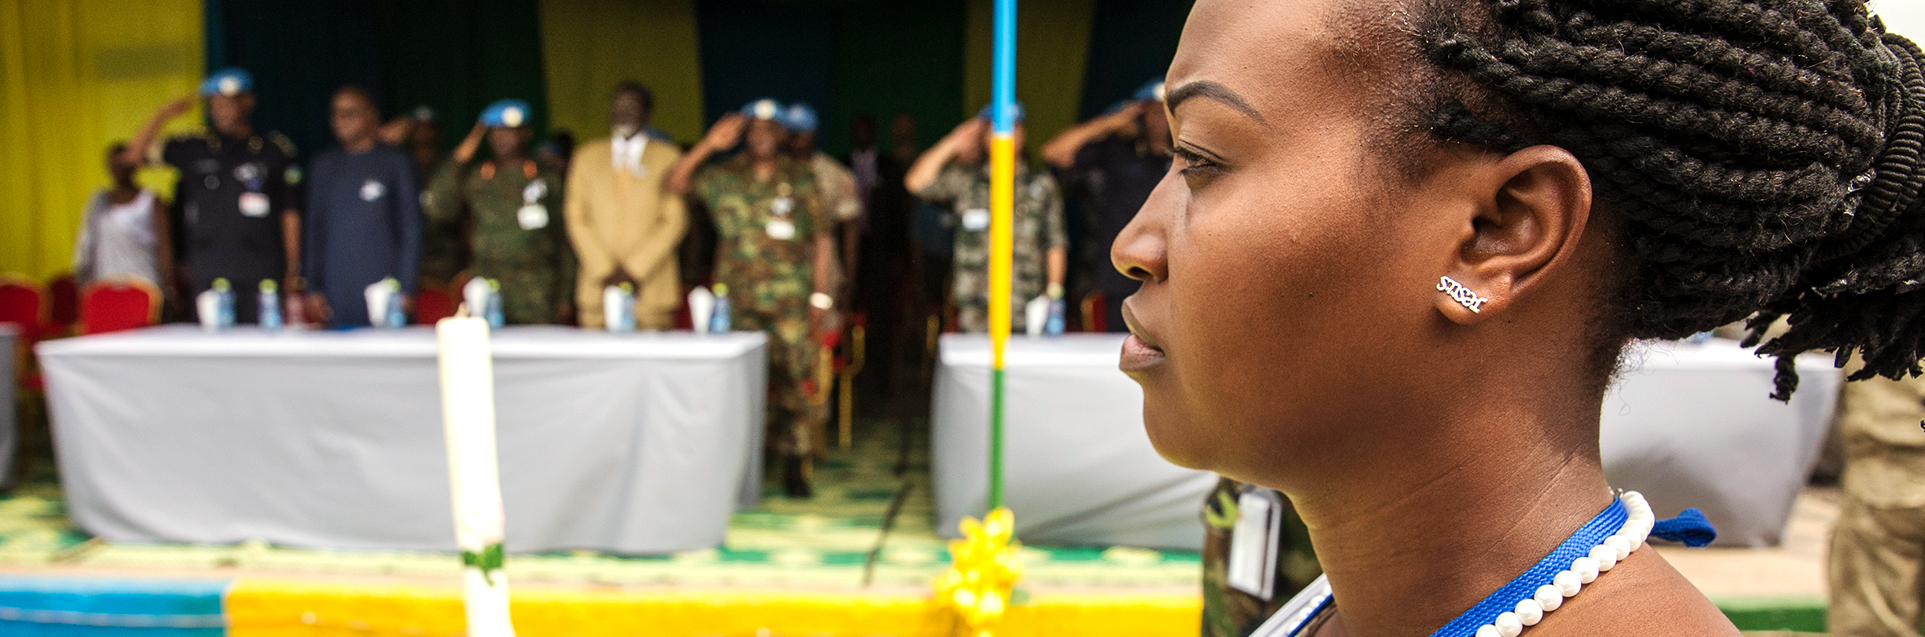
74, 76
590, 45
290, 609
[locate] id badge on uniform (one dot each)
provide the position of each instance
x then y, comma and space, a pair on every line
254, 204
780, 229
975, 219
533, 216
1252, 566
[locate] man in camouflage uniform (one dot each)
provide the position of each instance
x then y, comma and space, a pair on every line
837, 185
519, 238
1041, 242
775, 253
1877, 563
1227, 611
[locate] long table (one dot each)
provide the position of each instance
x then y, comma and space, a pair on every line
624, 443
1688, 425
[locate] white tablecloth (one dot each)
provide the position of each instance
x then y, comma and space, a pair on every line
1689, 426
632, 444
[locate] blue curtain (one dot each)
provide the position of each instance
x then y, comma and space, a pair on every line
1131, 41
753, 49
299, 53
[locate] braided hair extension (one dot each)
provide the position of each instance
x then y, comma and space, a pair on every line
1765, 155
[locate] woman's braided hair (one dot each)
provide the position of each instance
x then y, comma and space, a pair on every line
1765, 156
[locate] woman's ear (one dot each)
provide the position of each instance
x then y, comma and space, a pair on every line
1532, 209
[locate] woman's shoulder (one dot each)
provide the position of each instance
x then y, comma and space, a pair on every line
1643, 595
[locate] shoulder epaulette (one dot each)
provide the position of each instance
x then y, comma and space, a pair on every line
287, 146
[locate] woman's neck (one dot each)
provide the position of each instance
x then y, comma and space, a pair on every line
1407, 551
123, 192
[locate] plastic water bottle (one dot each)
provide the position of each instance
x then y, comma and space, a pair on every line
495, 317
1056, 310
226, 292
719, 321
270, 305
396, 316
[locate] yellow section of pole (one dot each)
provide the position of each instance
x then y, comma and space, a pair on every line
1002, 245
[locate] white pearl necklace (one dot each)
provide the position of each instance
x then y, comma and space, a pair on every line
1583, 570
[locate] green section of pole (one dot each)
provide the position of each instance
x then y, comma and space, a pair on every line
995, 439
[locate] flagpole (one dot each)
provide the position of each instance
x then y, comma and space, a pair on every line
1002, 197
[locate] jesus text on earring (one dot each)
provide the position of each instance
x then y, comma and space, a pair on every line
1461, 294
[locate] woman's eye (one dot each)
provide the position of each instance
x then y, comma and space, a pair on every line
1194, 163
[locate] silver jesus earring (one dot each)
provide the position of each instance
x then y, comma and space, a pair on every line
1461, 294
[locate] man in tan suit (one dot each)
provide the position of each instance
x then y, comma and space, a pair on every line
623, 221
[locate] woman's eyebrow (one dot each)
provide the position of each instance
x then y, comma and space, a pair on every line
1212, 90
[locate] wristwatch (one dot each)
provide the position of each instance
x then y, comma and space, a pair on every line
822, 301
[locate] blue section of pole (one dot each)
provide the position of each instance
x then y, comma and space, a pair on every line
1003, 80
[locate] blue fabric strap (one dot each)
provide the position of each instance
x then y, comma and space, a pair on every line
1505, 599
1689, 528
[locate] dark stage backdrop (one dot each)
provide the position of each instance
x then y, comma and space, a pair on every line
455, 56
1131, 41
299, 53
846, 57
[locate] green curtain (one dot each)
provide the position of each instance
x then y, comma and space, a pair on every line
74, 76
590, 45
896, 57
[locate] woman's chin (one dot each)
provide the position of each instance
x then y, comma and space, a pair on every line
1176, 440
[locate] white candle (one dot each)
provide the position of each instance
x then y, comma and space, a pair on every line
468, 419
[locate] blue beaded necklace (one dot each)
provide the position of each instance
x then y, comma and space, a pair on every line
1498, 615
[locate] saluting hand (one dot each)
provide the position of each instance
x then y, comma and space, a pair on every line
175, 109
968, 132
726, 132
466, 151
395, 133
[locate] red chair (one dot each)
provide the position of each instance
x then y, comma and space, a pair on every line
20, 305
63, 302
113, 306
1095, 312
431, 305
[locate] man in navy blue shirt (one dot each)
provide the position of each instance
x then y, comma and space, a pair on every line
363, 214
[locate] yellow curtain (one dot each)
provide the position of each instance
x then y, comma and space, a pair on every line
1052, 48
74, 76
590, 45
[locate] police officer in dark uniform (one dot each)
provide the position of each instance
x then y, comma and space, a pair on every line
236, 193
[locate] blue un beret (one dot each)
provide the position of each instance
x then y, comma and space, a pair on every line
1150, 91
764, 108
228, 81
800, 118
509, 113
1015, 112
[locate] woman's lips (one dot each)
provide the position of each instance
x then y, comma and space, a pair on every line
1139, 352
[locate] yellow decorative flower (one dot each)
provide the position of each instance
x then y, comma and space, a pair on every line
985, 568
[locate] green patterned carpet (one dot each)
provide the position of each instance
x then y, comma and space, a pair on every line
823, 542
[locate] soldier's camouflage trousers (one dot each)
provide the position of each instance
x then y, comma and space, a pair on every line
794, 425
